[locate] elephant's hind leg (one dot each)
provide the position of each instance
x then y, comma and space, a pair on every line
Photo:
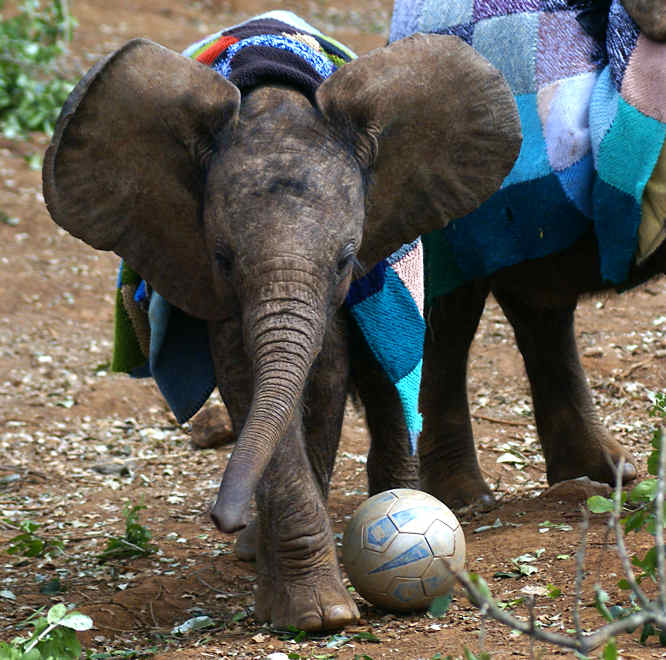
449, 466
573, 439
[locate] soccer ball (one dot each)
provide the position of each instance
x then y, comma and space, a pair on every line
393, 548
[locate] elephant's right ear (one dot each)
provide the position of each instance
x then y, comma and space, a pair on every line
125, 168
436, 125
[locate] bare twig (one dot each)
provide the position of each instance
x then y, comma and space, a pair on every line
659, 526
619, 540
496, 420
584, 645
635, 366
651, 613
580, 571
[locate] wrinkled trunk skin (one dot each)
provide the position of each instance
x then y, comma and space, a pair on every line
282, 340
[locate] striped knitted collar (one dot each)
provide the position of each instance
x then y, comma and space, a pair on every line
274, 48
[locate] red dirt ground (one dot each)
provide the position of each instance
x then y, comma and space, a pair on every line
61, 413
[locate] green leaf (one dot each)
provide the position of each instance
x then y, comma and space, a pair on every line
77, 621
599, 504
56, 613
553, 591
527, 569
635, 521
645, 491
653, 458
440, 606
610, 651
600, 600
51, 587
481, 585
366, 636
648, 631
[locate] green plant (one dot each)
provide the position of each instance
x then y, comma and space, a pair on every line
135, 543
32, 89
54, 637
29, 544
640, 505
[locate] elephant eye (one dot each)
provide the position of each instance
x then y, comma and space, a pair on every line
346, 260
224, 259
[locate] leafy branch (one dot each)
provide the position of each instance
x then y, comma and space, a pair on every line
32, 89
54, 636
135, 543
648, 497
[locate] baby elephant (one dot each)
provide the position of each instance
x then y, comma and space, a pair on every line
583, 209
243, 187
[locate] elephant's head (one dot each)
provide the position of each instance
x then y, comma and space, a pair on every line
649, 15
260, 206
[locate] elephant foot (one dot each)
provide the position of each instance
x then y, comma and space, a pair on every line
398, 472
246, 543
598, 462
463, 489
299, 582
320, 603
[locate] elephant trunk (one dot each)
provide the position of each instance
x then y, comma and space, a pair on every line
283, 339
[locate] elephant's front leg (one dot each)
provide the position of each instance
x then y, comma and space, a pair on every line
449, 466
299, 581
574, 441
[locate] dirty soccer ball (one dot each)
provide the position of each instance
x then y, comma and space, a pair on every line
393, 548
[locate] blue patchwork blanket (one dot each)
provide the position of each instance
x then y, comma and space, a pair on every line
153, 338
591, 92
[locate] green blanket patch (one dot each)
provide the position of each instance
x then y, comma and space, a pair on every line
131, 333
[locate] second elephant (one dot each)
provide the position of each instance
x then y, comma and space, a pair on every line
583, 209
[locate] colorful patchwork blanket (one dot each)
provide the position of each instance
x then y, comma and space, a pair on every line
153, 338
591, 92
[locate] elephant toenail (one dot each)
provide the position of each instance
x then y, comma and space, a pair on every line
629, 472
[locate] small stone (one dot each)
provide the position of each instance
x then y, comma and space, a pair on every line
120, 469
594, 351
577, 490
211, 428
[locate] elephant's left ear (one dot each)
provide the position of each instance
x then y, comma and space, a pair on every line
436, 125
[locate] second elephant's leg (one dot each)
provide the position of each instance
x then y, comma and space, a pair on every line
324, 403
573, 439
449, 466
390, 461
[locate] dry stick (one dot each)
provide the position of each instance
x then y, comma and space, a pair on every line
530, 609
496, 420
635, 366
659, 527
619, 540
580, 571
582, 643
587, 644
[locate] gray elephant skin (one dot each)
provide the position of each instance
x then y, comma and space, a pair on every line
249, 211
539, 294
